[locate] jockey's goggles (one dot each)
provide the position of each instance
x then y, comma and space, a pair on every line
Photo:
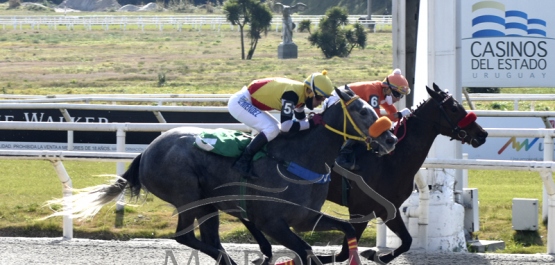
394, 90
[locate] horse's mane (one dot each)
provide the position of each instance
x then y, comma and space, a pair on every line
419, 105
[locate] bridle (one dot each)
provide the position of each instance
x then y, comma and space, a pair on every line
458, 128
347, 116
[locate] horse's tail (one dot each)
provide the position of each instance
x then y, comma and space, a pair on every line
131, 176
88, 201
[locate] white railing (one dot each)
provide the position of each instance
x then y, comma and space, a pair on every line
515, 98
177, 22
545, 168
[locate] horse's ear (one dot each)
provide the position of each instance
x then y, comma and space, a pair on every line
430, 91
433, 93
349, 91
341, 94
436, 88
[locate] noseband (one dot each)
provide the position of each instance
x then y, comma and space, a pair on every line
458, 128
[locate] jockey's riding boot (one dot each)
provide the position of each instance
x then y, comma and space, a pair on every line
346, 158
243, 164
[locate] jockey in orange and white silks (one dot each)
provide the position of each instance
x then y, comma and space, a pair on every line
384, 94
378, 94
251, 104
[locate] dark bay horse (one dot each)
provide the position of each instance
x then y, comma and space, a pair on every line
199, 183
392, 175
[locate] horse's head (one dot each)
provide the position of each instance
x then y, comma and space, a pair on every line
360, 120
455, 121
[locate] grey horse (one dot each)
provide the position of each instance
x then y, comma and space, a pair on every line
199, 183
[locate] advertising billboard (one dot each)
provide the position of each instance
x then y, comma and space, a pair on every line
92, 141
509, 148
507, 43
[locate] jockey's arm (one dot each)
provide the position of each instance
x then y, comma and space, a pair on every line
293, 119
391, 112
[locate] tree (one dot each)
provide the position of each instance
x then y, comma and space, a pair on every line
249, 12
334, 40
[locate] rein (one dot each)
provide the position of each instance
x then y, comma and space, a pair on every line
347, 116
402, 121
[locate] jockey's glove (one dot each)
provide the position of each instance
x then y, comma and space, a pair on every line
316, 120
403, 113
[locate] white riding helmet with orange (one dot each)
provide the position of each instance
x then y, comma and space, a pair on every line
397, 83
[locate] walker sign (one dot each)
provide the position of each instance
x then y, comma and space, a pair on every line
507, 43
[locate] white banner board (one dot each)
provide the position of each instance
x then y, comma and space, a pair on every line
507, 43
509, 148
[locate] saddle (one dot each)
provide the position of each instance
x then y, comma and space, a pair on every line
225, 142
231, 143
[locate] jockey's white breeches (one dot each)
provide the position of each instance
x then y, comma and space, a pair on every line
241, 108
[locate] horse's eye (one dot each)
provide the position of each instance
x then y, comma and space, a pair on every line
454, 108
363, 112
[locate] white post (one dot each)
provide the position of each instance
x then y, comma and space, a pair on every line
551, 225
443, 70
67, 193
547, 156
70, 140
423, 210
369, 10
381, 234
399, 40
548, 206
120, 166
465, 173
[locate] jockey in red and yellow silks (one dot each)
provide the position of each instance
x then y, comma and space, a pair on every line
251, 104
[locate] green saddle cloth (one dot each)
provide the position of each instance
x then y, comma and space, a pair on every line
225, 142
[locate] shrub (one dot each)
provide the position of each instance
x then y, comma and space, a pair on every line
12, 4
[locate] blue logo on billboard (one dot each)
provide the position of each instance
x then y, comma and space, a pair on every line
492, 19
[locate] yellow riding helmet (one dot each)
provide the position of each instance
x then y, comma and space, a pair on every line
396, 81
320, 84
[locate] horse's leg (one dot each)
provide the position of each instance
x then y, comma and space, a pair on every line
209, 227
398, 227
344, 254
279, 230
324, 222
186, 221
265, 246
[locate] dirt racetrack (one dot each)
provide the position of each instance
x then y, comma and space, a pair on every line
18, 250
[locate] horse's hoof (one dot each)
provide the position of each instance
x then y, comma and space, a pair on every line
378, 260
259, 261
368, 254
